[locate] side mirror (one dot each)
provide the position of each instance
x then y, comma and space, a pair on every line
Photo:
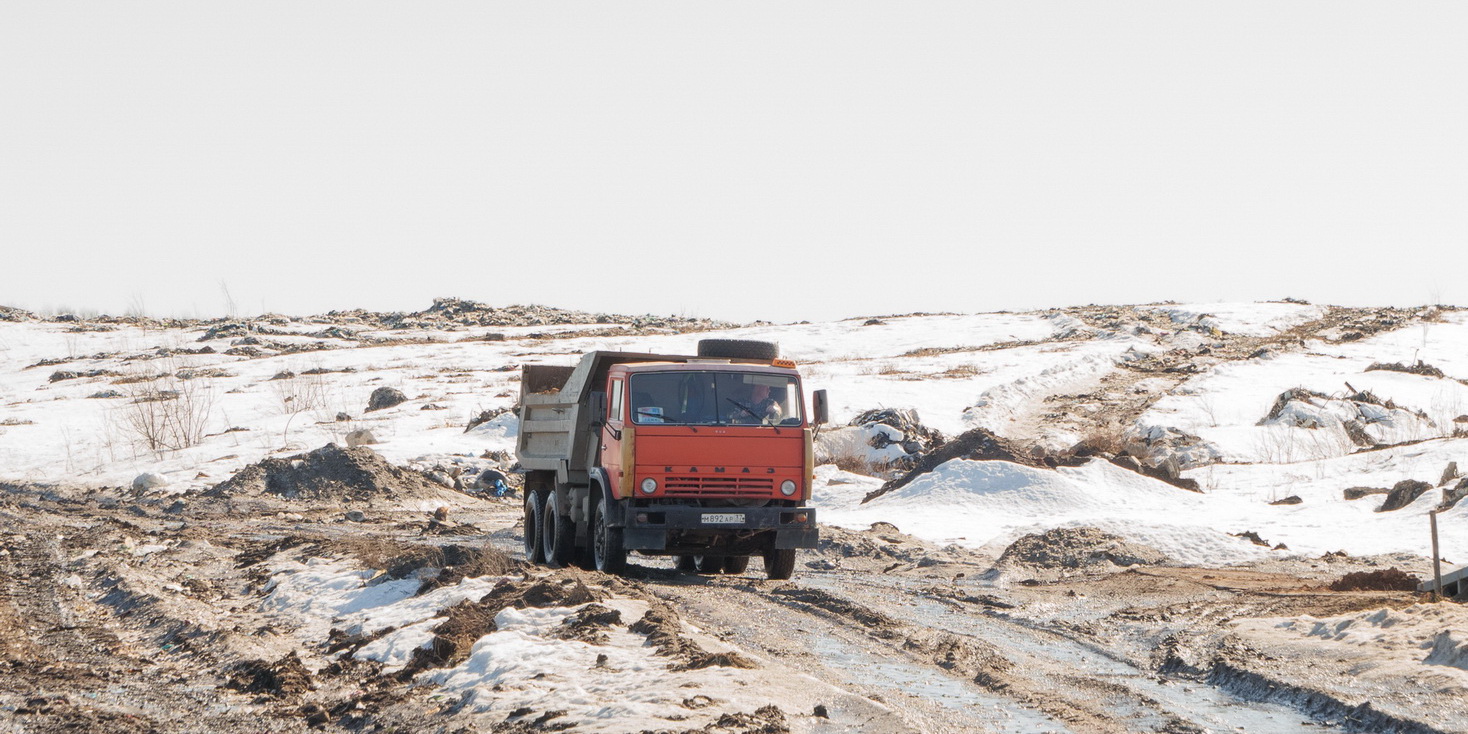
598, 409
822, 408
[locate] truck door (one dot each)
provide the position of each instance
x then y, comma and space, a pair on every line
612, 436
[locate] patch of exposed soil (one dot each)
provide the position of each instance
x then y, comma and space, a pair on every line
590, 625
284, 677
470, 620
664, 632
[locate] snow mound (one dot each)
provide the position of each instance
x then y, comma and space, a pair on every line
974, 503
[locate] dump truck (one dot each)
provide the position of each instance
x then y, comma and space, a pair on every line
706, 457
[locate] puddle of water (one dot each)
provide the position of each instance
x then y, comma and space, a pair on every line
995, 713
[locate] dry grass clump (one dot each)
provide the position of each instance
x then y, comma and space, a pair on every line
960, 372
1104, 439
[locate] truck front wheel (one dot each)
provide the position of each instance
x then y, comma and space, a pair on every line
557, 532
534, 510
779, 563
607, 550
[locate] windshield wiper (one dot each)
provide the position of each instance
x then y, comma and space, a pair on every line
746, 409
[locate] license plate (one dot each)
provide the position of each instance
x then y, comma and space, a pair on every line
723, 518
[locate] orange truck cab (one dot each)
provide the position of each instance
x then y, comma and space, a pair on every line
705, 457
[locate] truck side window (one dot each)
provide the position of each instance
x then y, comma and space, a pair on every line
616, 407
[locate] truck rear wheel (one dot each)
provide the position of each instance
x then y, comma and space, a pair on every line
736, 564
607, 550
779, 563
557, 532
534, 510
738, 349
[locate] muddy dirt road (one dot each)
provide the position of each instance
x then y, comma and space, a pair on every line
134, 614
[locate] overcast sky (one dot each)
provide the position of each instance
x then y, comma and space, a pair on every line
779, 161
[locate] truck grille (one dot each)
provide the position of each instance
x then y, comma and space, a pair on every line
714, 486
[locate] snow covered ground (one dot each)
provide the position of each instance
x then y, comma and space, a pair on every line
957, 371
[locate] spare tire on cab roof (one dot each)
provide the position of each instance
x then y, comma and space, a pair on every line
738, 349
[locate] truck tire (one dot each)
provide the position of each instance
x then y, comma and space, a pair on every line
738, 349
779, 563
557, 532
607, 550
736, 564
534, 512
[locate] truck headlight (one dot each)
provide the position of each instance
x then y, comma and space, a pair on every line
649, 485
787, 487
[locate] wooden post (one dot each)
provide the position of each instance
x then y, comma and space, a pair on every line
1437, 567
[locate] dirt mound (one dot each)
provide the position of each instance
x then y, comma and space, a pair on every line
1073, 548
328, 473
1392, 579
977, 444
284, 677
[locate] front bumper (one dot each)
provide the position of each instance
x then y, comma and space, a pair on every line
741, 530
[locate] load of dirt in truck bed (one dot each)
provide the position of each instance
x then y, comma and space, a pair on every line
1076, 548
328, 473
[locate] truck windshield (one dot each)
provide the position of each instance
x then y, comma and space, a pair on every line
714, 398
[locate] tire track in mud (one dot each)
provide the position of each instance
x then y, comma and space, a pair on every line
76, 688
1165, 693
1003, 698
1049, 677
68, 665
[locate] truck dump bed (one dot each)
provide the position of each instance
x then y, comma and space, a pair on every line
556, 411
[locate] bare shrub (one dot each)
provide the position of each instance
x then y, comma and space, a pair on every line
166, 413
298, 394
